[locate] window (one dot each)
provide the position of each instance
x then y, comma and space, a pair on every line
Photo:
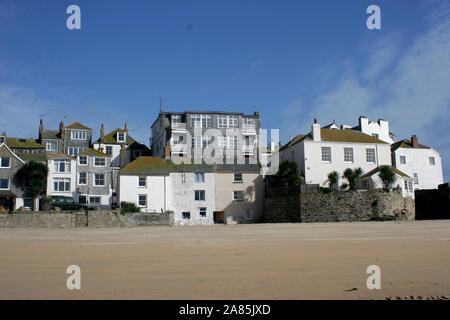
83, 160
99, 162
238, 195
79, 135
432, 161
142, 200
142, 182
95, 201
199, 195
326, 154
82, 199
224, 121
99, 179
51, 145
248, 215
61, 184
82, 178
237, 177
247, 140
75, 151
248, 122
120, 136
416, 178
201, 121
410, 186
406, 185
402, 159
228, 142
348, 154
375, 135
370, 155
4, 184
62, 166
108, 150
5, 162
199, 177
186, 215
202, 212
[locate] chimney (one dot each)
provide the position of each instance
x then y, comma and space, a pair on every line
61, 126
102, 133
126, 127
414, 141
167, 150
363, 124
41, 129
100, 149
315, 131
122, 156
256, 114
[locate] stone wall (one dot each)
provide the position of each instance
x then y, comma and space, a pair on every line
94, 219
340, 206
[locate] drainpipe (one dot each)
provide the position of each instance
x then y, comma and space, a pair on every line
378, 161
164, 193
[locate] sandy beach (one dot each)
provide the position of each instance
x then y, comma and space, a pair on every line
267, 261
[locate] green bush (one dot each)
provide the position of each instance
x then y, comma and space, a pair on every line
128, 207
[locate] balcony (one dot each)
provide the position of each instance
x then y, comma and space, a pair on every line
178, 126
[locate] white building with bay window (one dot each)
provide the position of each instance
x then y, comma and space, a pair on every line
62, 172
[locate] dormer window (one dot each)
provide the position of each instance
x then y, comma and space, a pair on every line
120, 136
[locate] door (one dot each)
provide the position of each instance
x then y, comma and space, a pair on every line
219, 217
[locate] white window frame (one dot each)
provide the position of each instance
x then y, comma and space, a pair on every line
432, 161
78, 135
188, 214
1, 160
48, 145
404, 158
139, 182
236, 192
200, 192
348, 153
95, 183
106, 150
83, 164
227, 121
323, 153
67, 166
124, 136
241, 180
139, 200
416, 178
197, 175
79, 178
65, 181
9, 185
94, 203
96, 165
202, 210
369, 153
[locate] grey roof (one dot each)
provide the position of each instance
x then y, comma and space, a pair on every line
50, 134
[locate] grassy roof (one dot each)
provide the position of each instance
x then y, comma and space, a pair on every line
77, 125
111, 138
93, 153
377, 169
60, 155
336, 135
19, 143
37, 157
405, 143
159, 166
50, 134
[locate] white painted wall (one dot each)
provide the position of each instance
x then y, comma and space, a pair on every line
181, 198
374, 182
380, 127
115, 157
52, 174
417, 161
316, 171
156, 191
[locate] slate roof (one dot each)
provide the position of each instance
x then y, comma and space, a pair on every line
20, 143
337, 135
405, 143
60, 155
111, 138
159, 166
377, 169
93, 153
50, 134
37, 157
77, 125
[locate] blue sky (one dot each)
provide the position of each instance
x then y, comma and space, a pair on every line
290, 60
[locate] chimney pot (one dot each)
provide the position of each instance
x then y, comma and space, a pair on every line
315, 120
414, 141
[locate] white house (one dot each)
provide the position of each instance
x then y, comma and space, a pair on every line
378, 129
325, 150
371, 180
422, 163
62, 173
195, 193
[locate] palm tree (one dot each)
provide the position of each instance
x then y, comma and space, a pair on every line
353, 176
387, 176
333, 178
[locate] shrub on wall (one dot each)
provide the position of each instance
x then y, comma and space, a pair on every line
128, 207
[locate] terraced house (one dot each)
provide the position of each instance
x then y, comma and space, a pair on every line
328, 149
196, 194
61, 180
94, 177
71, 139
11, 196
